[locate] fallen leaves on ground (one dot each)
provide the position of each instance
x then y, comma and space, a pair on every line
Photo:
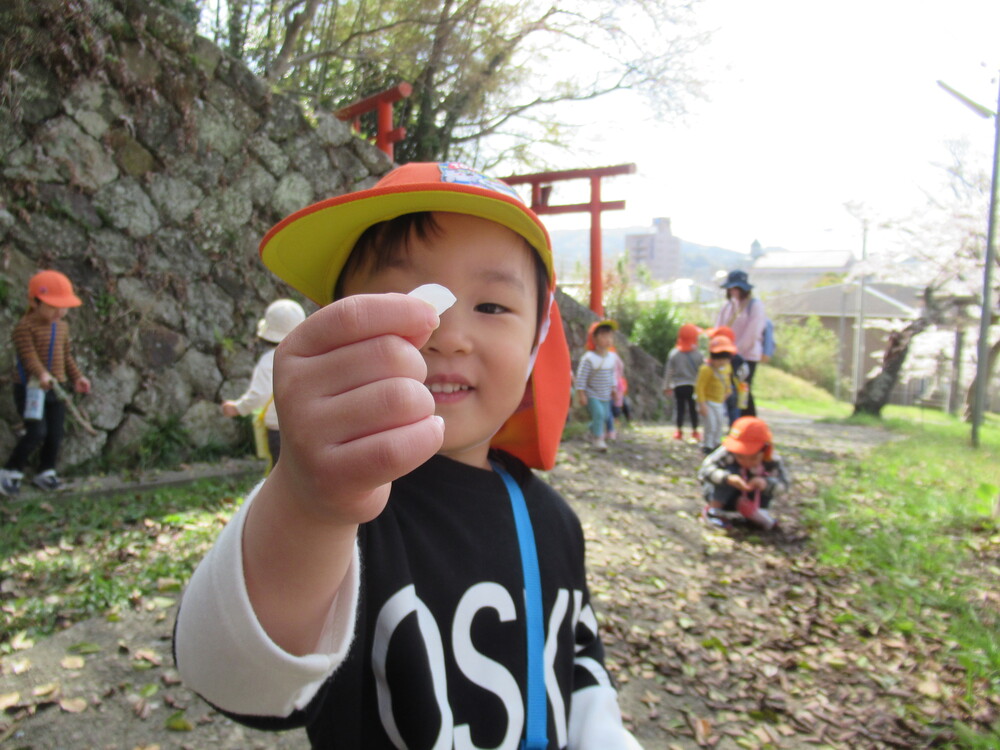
743, 634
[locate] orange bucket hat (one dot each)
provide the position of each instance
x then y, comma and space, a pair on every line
687, 337
52, 288
749, 435
309, 248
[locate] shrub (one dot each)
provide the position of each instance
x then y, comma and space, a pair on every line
655, 328
807, 350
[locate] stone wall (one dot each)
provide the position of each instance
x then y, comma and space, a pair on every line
146, 164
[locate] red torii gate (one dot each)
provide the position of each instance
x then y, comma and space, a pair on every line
541, 187
382, 103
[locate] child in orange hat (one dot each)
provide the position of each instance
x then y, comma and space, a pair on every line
597, 379
383, 586
679, 376
743, 476
712, 388
739, 396
44, 357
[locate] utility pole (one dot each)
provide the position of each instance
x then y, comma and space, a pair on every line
859, 331
983, 350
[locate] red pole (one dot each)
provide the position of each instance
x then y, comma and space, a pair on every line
596, 262
384, 138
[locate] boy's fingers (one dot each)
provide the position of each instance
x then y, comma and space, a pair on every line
373, 408
346, 482
361, 317
349, 367
379, 458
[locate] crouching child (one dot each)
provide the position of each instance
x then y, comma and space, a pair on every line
743, 475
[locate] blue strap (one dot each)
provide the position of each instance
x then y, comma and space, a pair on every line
48, 365
536, 704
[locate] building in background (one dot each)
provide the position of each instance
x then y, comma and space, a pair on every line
783, 271
658, 252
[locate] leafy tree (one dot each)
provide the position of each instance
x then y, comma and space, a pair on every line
479, 68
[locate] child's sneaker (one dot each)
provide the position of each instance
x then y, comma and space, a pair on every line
48, 480
600, 445
696, 436
709, 516
678, 435
10, 482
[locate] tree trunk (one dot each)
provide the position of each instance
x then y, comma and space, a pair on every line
299, 21
970, 396
874, 394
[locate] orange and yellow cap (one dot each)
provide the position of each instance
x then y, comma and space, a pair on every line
309, 248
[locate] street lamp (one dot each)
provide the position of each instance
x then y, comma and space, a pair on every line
983, 355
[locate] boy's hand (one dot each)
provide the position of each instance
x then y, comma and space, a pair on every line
45, 381
81, 385
229, 409
758, 483
583, 397
354, 412
703, 410
735, 480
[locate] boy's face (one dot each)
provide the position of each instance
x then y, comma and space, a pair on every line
477, 360
749, 461
49, 314
604, 339
717, 362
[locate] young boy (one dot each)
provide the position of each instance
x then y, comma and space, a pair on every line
380, 586
597, 379
712, 388
44, 357
744, 475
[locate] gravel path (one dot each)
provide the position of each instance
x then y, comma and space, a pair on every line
682, 608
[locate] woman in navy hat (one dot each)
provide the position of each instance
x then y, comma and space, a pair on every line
745, 315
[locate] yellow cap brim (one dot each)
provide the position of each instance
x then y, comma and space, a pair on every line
308, 249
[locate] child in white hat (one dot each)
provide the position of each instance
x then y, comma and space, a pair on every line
280, 318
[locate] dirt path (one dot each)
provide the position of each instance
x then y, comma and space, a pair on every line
723, 640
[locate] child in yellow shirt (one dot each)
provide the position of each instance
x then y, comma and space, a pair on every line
712, 388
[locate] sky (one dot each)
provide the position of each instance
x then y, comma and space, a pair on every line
811, 105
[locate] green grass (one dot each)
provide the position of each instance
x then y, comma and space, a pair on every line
776, 389
73, 558
914, 524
